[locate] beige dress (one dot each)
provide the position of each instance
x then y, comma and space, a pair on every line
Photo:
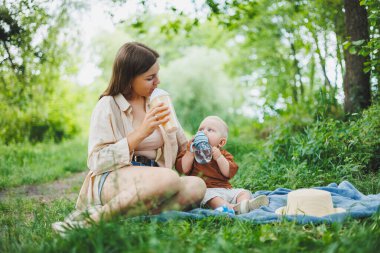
108, 148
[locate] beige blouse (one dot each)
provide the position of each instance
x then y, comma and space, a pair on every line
149, 146
108, 148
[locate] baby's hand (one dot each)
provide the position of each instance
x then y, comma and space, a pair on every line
216, 153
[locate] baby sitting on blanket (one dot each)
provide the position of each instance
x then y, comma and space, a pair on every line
216, 173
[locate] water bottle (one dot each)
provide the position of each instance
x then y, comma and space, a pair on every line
201, 148
158, 96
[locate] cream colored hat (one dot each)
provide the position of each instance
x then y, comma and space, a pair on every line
311, 202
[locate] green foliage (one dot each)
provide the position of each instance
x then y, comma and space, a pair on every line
57, 118
172, 32
284, 46
34, 57
170, 45
297, 155
372, 48
22, 164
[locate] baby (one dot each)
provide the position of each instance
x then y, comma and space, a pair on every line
219, 194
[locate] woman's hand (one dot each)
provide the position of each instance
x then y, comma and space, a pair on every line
156, 116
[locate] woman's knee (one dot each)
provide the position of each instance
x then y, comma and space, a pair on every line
195, 186
169, 181
150, 183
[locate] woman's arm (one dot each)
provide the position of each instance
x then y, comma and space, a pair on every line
156, 116
153, 118
108, 150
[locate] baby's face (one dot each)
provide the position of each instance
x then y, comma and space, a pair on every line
213, 130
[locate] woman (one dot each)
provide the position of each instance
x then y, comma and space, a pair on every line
130, 155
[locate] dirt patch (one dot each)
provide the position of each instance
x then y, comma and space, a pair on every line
67, 187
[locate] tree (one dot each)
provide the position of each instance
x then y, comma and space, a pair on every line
290, 46
357, 89
34, 57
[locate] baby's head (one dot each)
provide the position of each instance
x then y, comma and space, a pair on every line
216, 130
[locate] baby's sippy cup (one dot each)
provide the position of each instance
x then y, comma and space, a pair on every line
201, 148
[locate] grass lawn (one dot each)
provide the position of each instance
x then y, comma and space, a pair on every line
22, 164
25, 221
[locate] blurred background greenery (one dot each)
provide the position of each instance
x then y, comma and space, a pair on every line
251, 62
296, 81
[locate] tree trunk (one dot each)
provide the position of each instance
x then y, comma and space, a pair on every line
357, 90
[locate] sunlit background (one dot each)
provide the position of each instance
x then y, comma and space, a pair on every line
248, 62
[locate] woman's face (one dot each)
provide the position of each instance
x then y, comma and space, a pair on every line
144, 84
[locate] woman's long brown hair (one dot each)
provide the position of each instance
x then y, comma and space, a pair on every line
131, 60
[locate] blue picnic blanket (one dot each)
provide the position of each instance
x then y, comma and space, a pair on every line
344, 195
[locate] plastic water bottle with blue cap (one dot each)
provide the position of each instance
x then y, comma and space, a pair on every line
201, 148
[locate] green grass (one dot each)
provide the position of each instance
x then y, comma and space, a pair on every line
22, 164
26, 223
314, 155
224, 235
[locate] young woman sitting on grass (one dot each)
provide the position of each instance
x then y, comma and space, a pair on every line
130, 155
